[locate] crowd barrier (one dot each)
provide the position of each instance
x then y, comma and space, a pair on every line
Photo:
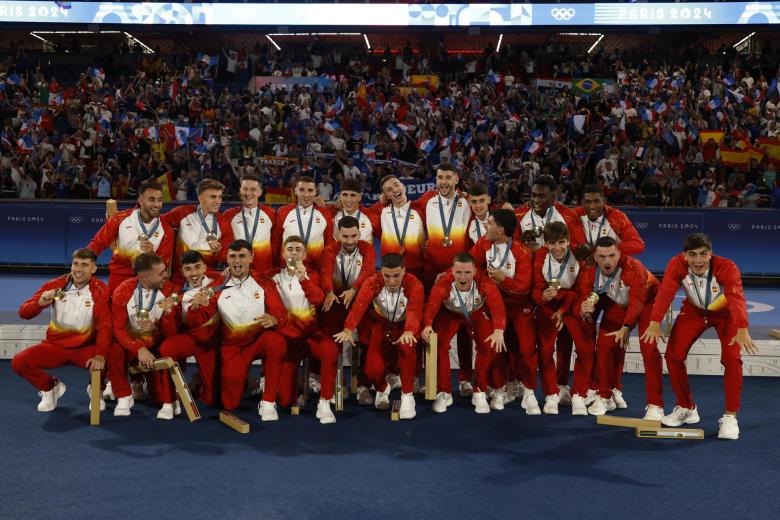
44, 233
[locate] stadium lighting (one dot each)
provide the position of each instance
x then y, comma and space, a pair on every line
500, 39
315, 34
139, 42
368, 44
273, 42
743, 40
44, 40
601, 37
578, 34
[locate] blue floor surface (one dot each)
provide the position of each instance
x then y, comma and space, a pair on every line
454, 465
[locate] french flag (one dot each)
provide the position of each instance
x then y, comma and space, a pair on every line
37, 116
97, 73
473, 154
5, 142
652, 83
14, 79
337, 107
427, 145
393, 131
151, 133
714, 104
182, 135
646, 114
661, 108
537, 135
728, 81
369, 151
25, 144
331, 126
445, 142
494, 131
533, 148
639, 152
467, 138
403, 127
173, 91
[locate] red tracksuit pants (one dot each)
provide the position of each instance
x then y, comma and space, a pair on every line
583, 334
181, 346
382, 353
687, 328
318, 346
236, 361
521, 348
610, 355
31, 362
447, 325
331, 323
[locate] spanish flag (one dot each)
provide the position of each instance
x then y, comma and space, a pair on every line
734, 157
168, 188
278, 195
706, 135
771, 147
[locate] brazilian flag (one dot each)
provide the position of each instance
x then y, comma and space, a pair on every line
590, 86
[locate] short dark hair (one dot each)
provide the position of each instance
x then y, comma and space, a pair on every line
606, 242
392, 261
506, 219
148, 185
386, 178
546, 180
348, 222
306, 179
84, 253
251, 177
478, 189
293, 238
463, 257
448, 167
352, 185
594, 188
696, 241
238, 245
145, 262
191, 257
555, 231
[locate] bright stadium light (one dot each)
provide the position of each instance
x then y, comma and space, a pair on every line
743, 40
368, 44
500, 39
273, 42
42, 39
139, 42
594, 45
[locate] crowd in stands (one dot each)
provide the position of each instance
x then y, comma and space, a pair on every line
679, 127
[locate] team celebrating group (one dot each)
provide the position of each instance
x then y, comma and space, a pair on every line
516, 289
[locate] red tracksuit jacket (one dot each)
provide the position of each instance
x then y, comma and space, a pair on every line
97, 323
565, 298
516, 289
620, 227
263, 245
330, 275
123, 228
413, 291
569, 217
724, 271
300, 298
317, 241
131, 340
189, 226
486, 289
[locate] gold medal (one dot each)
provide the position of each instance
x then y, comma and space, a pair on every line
175, 298
593, 298
291, 265
446, 242
555, 284
538, 230
58, 295
142, 237
208, 291
142, 314
211, 237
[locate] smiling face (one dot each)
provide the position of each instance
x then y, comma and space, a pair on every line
210, 201
239, 262
155, 277
250, 192
698, 260
464, 275
349, 237
445, 182
394, 191
305, 191
593, 203
479, 205
350, 201
150, 203
607, 259
81, 270
558, 248
194, 273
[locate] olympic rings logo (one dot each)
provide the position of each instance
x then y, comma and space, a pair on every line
641, 225
75, 220
734, 227
562, 14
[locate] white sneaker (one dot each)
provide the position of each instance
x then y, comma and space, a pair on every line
729, 429
599, 406
443, 400
408, 409
394, 380
617, 396
324, 413
564, 395
102, 399
653, 413
465, 389
680, 416
139, 390
267, 411
551, 404
479, 400
176, 407
578, 405
166, 412
498, 400
419, 386
49, 399
108, 392
364, 396
530, 404
314, 383
610, 403
592, 395
123, 405
382, 400
512, 391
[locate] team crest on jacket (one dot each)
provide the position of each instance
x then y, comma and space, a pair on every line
477, 301
257, 295
317, 220
508, 265
262, 221
156, 234
362, 225
359, 263
714, 288
403, 304
571, 268
88, 303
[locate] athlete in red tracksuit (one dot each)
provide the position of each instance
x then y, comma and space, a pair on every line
142, 314
349, 206
625, 288
464, 292
79, 332
299, 288
508, 264
253, 222
598, 219
303, 219
250, 313
135, 231
397, 299
540, 211
346, 265
713, 298
201, 228
554, 291
201, 342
